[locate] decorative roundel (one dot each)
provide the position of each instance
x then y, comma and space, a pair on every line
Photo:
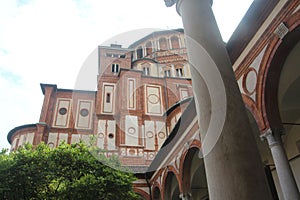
161, 135
62, 111
101, 135
149, 134
84, 112
250, 81
153, 99
51, 144
110, 135
131, 151
131, 130
151, 155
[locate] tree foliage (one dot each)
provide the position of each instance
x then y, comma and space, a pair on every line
67, 172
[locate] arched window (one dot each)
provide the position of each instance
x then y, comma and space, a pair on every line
163, 45
175, 42
139, 52
179, 71
149, 49
167, 71
146, 69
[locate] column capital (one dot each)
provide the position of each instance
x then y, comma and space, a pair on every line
275, 132
273, 136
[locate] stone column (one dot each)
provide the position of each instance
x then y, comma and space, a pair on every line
285, 175
233, 165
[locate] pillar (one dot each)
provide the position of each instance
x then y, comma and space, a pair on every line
232, 162
285, 175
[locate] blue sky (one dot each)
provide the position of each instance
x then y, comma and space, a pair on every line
47, 41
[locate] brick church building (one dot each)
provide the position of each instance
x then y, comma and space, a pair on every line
148, 111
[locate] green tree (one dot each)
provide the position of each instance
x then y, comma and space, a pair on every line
66, 172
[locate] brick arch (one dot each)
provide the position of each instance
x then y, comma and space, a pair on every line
177, 176
252, 107
142, 193
156, 186
269, 73
194, 144
185, 162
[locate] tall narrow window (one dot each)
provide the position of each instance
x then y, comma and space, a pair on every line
167, 73
175, 42
107, 98
139, 52
179, 72
163, 44
149, 48
146, 71
115, 68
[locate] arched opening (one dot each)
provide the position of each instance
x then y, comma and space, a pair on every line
282, 100
149, 49
179, 70
139, 52
171, 191
289, 108
175, 42
156, 194
194, 177
163, 45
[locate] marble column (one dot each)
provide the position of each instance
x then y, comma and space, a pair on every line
233, 166
285, 175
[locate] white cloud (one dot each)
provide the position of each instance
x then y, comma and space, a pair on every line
43, 41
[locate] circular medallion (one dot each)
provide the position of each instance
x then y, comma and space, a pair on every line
131, 130
149, 134
131, 151
153, 99
250, 81
51, 144
84, 112
101, 135
62, 111
161, 135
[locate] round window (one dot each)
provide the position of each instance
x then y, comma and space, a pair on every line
84, 112
62, 111
111, 136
